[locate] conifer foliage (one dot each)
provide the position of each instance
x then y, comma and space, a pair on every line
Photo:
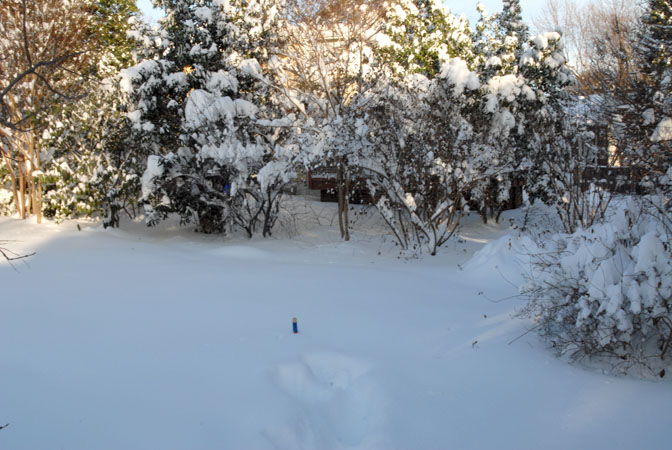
656, 49
421, 35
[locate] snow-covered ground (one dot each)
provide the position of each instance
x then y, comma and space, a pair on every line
166, 339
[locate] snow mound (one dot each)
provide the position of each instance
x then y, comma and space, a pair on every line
338, 403
508, 255
458, 74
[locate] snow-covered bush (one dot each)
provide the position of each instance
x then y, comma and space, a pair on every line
68, 193
561, 175
606, 291
327, 63
6, 207
436, 146
92, 168
417, 155
6, 196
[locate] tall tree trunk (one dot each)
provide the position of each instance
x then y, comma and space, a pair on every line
21, 200
30, 167
37, 183
346, 201
339, 196
342, 194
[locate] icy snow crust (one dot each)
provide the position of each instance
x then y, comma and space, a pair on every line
166, 339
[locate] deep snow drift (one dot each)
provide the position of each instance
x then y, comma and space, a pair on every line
167, 339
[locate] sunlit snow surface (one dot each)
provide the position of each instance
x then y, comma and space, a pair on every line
167, 339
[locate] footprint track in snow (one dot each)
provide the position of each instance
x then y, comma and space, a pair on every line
339, 404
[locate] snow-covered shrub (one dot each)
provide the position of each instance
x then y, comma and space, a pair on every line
327, 62
68, 193
93, 167
6, 207
6, 196
561, 176
606, 291
417, 155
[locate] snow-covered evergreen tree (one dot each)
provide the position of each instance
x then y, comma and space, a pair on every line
499, 43
656, 49
204, 115
487, 37
524, 98
542, 109
500, 39
515, 30
514, 115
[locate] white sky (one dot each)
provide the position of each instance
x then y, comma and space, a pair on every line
146, 8
531, 8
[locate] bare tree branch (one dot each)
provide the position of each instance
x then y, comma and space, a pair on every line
43, 45
32, 70
11, 256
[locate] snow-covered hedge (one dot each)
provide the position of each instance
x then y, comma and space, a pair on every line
6, 196
607, 291
6, 206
